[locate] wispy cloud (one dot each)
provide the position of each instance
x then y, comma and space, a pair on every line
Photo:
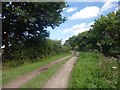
63, 40
78, 28
108, 4
75, 29
86, 13
64, 8
72, 9
93, 11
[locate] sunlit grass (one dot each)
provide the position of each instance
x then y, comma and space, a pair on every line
94, 71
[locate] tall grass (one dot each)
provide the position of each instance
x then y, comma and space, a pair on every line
94, 71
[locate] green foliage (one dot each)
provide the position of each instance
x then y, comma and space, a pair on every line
34, 50
24, 27
71, 42
92, 71
24, 31
103, 36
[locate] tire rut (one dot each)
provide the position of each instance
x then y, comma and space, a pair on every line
61, 78
18, 82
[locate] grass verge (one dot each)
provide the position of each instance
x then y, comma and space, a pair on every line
94, 71
42, 78
12, 73
0, 75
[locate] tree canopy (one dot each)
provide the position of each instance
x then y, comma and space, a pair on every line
104, 35
24, 23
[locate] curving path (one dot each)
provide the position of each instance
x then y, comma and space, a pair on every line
61, 78
18, 82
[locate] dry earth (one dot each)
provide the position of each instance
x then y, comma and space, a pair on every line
61, 78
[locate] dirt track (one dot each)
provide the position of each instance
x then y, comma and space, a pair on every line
61, 78
18, 82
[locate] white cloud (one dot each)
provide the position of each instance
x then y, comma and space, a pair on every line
108, 4
93, 11
78, 28
72, 9
64, 8
63, 41
86, 13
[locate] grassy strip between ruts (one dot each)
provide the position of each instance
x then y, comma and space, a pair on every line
42, 78
10, 74
94, 71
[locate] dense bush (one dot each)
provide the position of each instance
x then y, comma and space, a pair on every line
34, 51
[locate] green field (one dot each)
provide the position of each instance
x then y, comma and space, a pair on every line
94, 71
9, 74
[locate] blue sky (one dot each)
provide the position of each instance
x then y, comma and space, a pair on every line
80, 16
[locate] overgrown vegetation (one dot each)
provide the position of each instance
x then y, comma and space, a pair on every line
93, 70
104, 36
35, 52
24, 34
11, 73
26, 44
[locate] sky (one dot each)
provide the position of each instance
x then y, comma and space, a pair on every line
80, 16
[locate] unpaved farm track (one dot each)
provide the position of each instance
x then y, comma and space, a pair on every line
18, 82
61, 78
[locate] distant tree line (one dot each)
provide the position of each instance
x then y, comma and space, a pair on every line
24, 33
104, 36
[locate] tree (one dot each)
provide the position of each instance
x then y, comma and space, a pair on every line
26, 20
103, 36
71, 42
106, 29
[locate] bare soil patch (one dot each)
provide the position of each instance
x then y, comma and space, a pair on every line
61, 78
